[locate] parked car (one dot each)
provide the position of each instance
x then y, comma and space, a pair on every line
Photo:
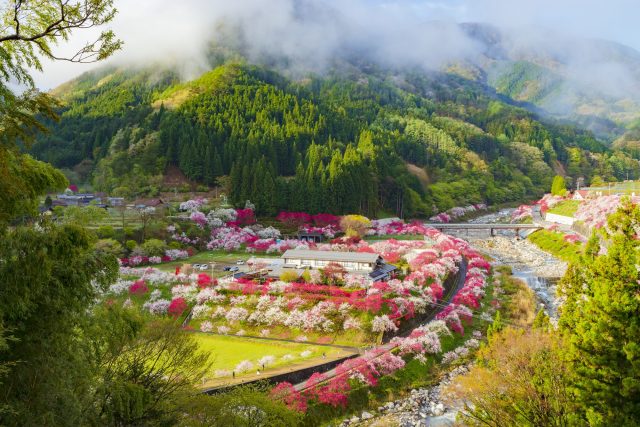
195, 266
227, 268
204, 267
240, 262
234, 269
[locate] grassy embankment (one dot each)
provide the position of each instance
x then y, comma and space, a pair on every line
566, 208
553, 242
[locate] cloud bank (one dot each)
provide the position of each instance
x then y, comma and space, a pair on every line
311, 34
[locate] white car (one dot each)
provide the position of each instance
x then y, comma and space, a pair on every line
240, 262
204, 267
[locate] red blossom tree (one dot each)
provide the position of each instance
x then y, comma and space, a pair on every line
294, 219
177, 307
139, 287
287, 394
324, 219
204, 280
245, 217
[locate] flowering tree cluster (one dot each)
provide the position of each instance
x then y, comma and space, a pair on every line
420, 342
313, 309
522, 213
594, 212
457, 212
549, 201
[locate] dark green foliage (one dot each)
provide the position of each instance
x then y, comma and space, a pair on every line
337, 143
601, 317
246, 406
49, 280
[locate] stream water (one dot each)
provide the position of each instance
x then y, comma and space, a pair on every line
539, 270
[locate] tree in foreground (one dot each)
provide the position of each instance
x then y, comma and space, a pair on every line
248, 406
49, 274
601, 318
146, 373
50, 277
520, 379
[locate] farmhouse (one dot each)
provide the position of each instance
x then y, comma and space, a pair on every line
350, 261
353, 262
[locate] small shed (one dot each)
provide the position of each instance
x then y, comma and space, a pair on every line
312, 236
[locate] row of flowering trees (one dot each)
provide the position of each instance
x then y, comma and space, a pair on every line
457, 213
419, 344
311, 309
169, 255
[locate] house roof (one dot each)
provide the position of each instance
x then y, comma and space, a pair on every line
382, 271
331, 256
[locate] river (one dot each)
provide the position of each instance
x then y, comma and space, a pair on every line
539, 270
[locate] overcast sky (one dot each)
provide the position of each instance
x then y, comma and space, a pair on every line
152, 29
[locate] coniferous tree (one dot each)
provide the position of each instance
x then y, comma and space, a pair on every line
602, 320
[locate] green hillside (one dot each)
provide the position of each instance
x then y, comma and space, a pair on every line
345, 142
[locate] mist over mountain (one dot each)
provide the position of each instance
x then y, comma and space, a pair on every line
319, 98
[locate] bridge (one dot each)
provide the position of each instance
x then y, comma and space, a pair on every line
491, 227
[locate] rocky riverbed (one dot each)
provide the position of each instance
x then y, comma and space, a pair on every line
423, 407
520, 254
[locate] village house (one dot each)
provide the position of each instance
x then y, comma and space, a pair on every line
370, 264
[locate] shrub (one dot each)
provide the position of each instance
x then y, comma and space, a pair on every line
289, 276
106, 232
154, 247
130, 245
110, 246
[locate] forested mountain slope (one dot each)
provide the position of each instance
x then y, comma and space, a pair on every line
592, 82
359, 140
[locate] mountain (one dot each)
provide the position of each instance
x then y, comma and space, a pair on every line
362, 139
595, 83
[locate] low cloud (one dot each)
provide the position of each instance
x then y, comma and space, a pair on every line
311, 34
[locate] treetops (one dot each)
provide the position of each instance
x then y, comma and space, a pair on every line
326, 144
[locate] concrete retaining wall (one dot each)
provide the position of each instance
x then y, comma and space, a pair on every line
293, 377
560, 219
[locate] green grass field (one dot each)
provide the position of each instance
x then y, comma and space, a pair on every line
227, 351
566, 208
